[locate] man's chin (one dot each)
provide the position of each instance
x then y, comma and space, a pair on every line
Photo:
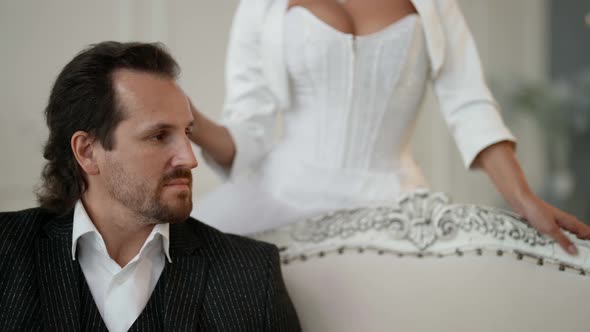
180, 218
179, 212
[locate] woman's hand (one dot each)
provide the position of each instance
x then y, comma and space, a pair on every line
499, 162
549, 220
214, 139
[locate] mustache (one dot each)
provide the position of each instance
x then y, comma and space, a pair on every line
179, 173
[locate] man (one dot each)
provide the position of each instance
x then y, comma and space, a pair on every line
112, 245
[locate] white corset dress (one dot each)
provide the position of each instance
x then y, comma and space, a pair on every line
345, 140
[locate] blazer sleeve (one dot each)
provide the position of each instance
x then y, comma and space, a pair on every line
249, 107
281, 314
468, 107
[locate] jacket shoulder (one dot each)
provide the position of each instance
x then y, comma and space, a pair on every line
247, 276
19, 231
18, 222
216, 239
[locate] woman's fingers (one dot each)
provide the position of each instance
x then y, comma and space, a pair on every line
563, 241
549, 220
573, 225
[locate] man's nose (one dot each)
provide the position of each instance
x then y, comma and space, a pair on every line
185, 156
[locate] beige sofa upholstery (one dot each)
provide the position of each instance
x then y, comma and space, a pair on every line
428, 265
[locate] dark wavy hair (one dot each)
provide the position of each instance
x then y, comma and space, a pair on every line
83, 99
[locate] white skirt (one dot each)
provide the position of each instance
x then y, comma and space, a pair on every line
244, 207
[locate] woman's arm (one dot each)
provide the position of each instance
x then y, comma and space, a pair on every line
214, 139
481, 136
245, 132
467, 105
500, 163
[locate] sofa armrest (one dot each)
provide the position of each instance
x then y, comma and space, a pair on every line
426, 264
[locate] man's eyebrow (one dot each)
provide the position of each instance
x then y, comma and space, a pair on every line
158, 126
164, 126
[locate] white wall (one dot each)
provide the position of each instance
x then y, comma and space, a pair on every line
39, 37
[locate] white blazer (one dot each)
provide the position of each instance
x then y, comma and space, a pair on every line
257, 86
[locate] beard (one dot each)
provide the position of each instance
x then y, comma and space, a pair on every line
149, 203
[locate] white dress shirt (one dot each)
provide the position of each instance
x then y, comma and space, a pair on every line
120, 294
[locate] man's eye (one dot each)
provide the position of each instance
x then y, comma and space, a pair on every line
158, 137
188, 131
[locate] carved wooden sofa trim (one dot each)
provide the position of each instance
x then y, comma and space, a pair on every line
425, 224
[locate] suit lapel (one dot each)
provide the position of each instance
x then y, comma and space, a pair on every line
185, 279
58, 276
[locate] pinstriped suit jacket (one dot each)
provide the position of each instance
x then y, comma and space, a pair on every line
216, 281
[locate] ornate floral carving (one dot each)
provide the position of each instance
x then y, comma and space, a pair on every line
423, 224
421, 218
496, 223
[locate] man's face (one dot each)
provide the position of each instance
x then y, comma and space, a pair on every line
148, 170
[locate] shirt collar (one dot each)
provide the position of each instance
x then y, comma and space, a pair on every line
84, 225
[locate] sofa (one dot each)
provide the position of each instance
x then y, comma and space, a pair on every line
426, 264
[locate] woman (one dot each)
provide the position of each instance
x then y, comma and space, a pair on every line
347, 78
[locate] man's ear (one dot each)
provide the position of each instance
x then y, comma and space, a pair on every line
84, 148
